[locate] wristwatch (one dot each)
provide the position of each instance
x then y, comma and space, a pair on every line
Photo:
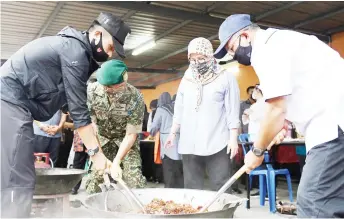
257, 151
92, 152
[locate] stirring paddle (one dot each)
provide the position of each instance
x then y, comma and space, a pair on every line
228, 184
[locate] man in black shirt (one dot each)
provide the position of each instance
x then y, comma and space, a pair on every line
36, 81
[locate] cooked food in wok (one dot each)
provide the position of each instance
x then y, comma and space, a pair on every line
159, 206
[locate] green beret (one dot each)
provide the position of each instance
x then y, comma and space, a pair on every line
112, 72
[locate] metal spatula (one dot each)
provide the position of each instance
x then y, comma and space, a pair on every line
228, 184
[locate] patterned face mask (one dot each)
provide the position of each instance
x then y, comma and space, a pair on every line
202, 67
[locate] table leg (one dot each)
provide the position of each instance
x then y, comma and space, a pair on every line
66, 206
248, 189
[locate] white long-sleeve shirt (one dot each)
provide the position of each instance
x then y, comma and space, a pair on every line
256, 116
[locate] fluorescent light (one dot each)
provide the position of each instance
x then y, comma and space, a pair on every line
143, 48
217, 15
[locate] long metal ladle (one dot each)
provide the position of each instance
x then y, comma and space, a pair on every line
223, 189
126, 188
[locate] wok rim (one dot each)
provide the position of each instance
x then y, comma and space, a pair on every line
58, 171
236, 204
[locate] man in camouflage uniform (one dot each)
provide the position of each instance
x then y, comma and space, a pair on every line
117, 108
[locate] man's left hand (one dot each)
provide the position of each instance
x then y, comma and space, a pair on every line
232, 148
252, 161
116, 170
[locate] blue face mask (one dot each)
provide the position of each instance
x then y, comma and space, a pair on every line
243, 54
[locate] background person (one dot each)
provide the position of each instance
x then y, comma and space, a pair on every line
48, 135
171, 160
29, 92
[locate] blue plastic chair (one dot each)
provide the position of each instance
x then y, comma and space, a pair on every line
272, 185
270, 182
264, 182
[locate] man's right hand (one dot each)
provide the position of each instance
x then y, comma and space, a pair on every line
170, 140
100, 162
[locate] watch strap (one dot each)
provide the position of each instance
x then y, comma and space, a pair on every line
92, 152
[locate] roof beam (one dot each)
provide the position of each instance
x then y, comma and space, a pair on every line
173, 53
179, 75
153, 71
144, 79
214, 6
145, 87
276, 10
178, 26
213, 18
319, 17
50, 19
128, 15
335, 30
162, 11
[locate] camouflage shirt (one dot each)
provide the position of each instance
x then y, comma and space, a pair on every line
115, 114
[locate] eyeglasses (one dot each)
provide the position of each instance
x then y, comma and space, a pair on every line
198, 61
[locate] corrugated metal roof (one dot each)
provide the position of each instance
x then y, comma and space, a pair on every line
22, 21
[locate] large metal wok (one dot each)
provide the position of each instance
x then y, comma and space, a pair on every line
120, 207
53, 181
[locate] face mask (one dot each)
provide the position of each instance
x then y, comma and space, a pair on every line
98, 51
243, 54
203, 67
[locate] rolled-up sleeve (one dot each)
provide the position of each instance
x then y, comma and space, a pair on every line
90, 91
135, 120
75, 75
178, 105
232, 102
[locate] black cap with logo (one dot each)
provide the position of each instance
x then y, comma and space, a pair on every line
117, 28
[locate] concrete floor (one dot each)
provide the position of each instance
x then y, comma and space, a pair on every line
256, 210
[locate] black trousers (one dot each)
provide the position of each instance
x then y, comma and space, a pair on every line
321, 189
17, 161
79, 162
65, 146
49, 145
218, 167
173, 173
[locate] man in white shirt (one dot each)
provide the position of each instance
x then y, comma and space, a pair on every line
301, 78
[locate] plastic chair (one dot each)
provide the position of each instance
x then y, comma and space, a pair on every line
270, 178
272, 185
264, 182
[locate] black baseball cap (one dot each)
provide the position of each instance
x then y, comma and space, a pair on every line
117, 28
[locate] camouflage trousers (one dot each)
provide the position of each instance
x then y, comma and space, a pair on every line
131, 166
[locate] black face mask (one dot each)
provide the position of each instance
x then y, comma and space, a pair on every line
98, 51
243, 54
